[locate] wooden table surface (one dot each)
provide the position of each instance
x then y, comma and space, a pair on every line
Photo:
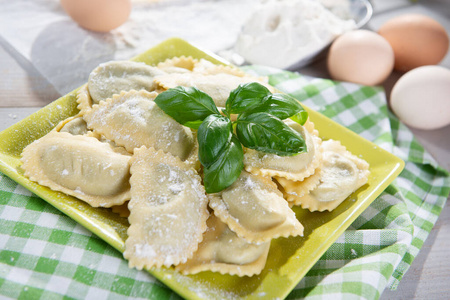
23, 91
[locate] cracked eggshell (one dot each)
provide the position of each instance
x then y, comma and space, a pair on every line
421, 97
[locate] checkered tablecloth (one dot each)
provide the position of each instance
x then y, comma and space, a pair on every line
46, 255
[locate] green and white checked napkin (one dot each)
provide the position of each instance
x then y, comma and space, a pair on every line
46, 255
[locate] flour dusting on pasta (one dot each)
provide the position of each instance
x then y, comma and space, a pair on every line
123, 151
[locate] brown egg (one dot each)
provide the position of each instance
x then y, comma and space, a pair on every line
417, 41
360, 56
98, 15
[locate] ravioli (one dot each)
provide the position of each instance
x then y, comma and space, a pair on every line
79, 166
114, 77
342, 174
218, 86
123, 152
295, 167
292, 190
84, 99
168, 210
204, 66
74, 125
132, 119
122, 210
254, 208
183, 64
223, 251
180, 64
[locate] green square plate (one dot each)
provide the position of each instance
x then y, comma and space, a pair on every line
289, 258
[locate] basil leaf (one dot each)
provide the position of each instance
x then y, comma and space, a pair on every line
300, 117
187, 105
281, 106
226, 169
213, 136
264, 132
245, 96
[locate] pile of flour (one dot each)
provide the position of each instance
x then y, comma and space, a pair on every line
283, 33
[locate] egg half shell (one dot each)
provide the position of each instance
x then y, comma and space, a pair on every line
421, 97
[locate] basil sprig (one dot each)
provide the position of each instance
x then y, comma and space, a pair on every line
220, 153
259, 125
244, 96
267, 133
226, 169
213, 136
282, 106
187, 105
